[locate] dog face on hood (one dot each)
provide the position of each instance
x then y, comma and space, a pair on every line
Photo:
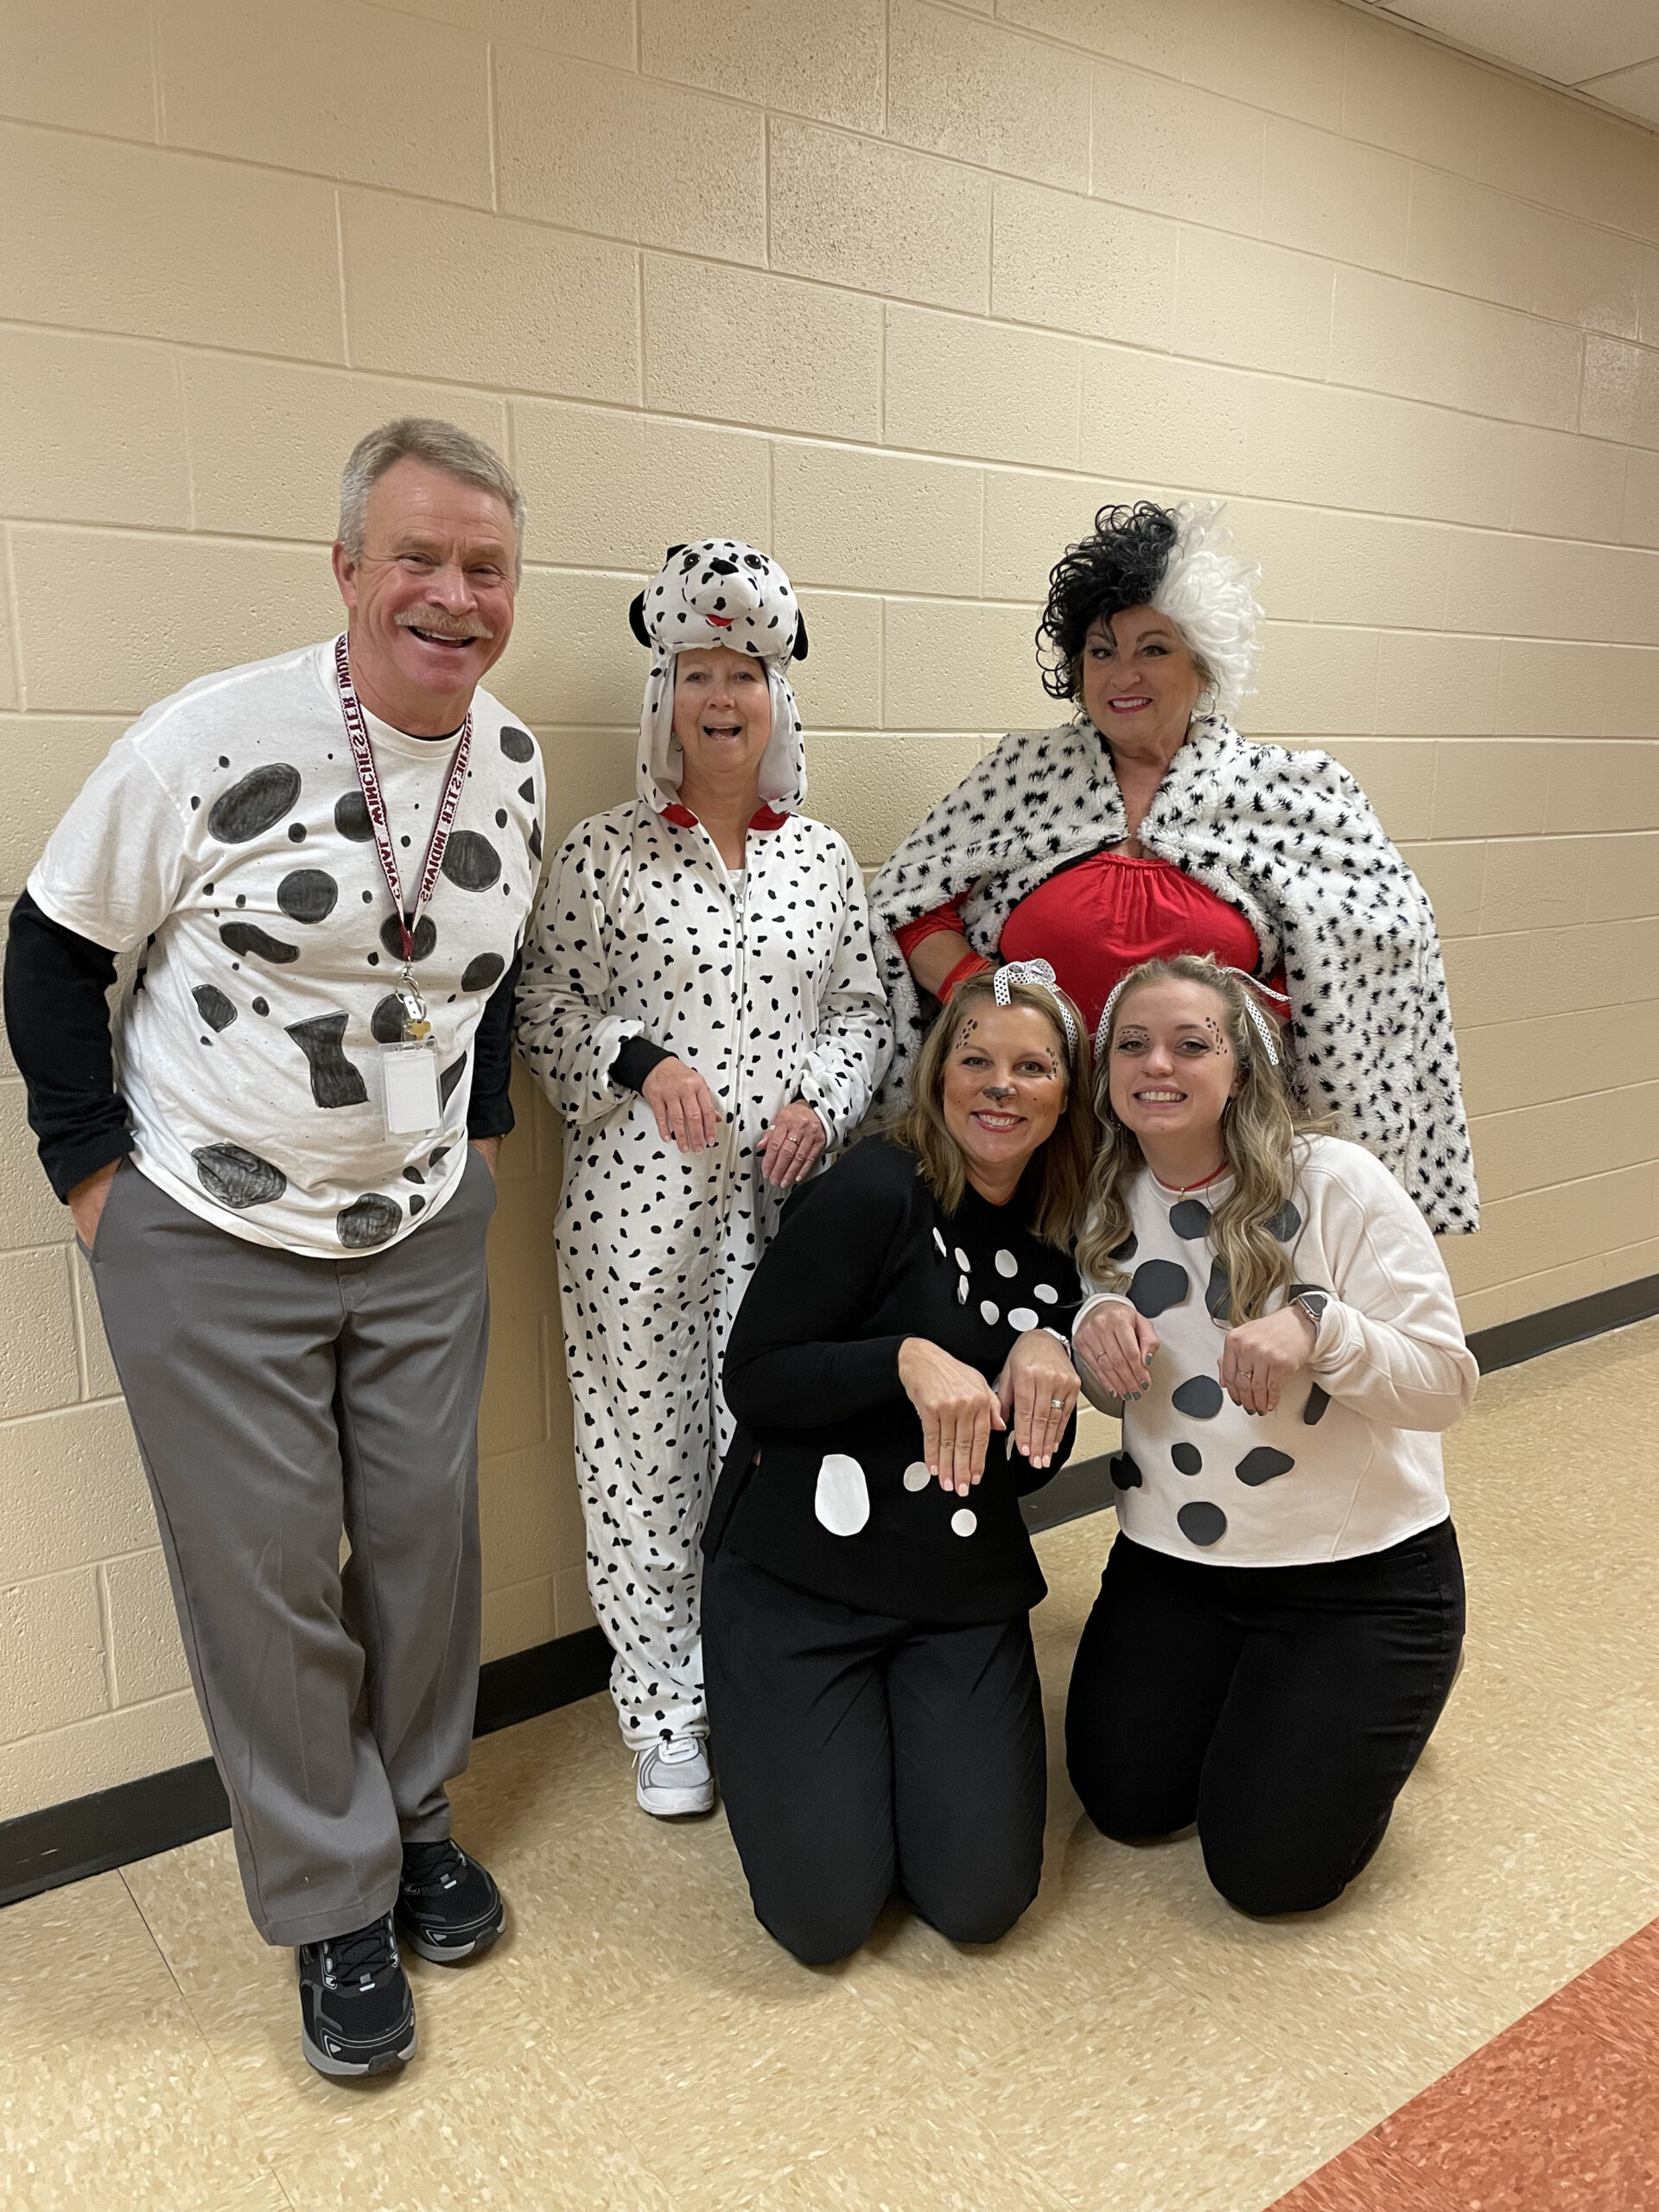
721, 592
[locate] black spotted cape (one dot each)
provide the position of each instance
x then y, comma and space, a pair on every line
1289, 840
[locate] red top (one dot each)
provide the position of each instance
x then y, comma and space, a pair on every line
1096, 921
764, 817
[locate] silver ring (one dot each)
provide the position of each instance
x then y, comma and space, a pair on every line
1054, 1403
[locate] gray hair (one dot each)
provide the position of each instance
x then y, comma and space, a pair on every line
439, 445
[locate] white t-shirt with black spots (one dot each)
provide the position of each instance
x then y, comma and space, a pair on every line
227, 828
1350, 1462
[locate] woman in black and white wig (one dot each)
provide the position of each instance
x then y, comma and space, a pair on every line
1147, 826
901, 1375
1280, 1617
699, 1004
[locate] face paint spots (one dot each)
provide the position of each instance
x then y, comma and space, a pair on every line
335, 1081
243, 938
255, 805
471, 861
1263, 1465
480, 974
307, 895
517, 744
1313, 1411
352, 818
1157, 1285
238, 1178
1201, 1523
215, 1009
426, 938
1190, 1219
1199, 1399
1125, 1474
368, 1221
1187, 1458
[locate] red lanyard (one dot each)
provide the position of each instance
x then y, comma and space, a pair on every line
368, 777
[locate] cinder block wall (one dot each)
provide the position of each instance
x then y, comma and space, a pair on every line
903, 290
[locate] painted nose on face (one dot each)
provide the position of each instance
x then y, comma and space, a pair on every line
994, 1090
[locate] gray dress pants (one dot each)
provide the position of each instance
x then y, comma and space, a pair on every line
278, 1400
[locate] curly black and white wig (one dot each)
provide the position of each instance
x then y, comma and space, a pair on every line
1177, 560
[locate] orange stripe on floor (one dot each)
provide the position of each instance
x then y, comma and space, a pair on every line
1558, 2113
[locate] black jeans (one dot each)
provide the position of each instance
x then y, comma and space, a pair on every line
858, 1754
1279, 1707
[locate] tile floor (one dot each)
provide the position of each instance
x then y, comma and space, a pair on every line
637, 2045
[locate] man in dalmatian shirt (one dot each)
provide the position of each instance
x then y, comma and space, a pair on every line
281, 1170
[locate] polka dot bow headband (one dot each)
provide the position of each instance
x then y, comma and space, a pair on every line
1039, 975
1258, 1019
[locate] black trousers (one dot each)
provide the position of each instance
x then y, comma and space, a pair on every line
1279, 1707
858, 1755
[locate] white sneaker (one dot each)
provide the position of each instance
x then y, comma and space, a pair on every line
672, 1777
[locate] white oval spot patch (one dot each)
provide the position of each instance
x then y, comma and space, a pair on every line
1007, 1264
987, 1311
916, 1476
964, 1522
1021, 1317
961, 1290
841, 1500
1046, 1295
939, 1241
962, 1259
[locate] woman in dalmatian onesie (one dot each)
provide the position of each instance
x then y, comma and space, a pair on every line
1147, 826
1280, 1617
701, 1005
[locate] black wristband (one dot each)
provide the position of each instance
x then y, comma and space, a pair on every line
635, 1059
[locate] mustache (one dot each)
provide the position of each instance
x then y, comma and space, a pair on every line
441, 626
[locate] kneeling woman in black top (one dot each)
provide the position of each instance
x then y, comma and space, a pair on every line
873, 1708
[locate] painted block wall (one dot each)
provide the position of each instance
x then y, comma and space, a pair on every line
902, 290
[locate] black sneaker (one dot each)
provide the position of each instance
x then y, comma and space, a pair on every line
356, 2013
448, 1908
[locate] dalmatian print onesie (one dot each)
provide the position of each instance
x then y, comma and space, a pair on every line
766, 984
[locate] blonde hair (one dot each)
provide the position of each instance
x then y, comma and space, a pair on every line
919, 1127
1260, 1127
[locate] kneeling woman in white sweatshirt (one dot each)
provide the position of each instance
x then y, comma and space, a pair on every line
1280, 1617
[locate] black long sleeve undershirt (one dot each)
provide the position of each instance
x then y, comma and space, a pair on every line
58, 1024
57, 986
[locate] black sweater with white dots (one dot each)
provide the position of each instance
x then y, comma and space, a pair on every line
839, 1503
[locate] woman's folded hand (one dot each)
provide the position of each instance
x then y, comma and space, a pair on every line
1116, 1344
1039, 1389
958, 1410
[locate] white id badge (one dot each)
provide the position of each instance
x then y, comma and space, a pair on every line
412, 1103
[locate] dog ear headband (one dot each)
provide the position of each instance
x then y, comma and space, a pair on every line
1039, 975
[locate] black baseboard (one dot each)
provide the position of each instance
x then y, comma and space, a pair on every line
1084, 1487
1511, 1342
89, 1835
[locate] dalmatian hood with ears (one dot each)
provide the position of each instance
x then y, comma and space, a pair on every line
720, 592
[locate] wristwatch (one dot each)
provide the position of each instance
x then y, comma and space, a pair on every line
1313, 1303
